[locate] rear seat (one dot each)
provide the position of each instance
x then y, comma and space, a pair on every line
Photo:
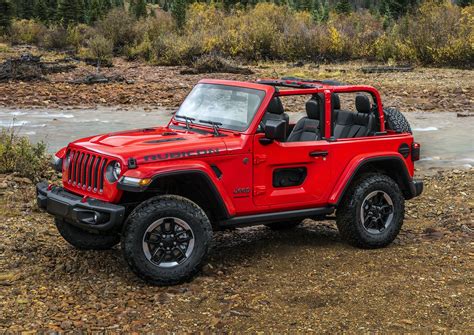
349, 124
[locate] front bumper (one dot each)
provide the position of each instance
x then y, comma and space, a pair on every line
90, 214
416, 188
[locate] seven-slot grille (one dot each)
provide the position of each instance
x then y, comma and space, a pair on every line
87, 171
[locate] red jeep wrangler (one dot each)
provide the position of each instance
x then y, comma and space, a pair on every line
229, 157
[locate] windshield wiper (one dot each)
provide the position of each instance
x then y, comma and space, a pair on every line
214, 125
187, 119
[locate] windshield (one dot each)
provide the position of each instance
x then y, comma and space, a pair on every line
230, 106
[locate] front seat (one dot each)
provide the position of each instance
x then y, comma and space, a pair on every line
275, 111
307, 128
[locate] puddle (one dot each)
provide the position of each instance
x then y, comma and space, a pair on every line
447, 141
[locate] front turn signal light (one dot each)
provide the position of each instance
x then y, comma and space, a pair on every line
136, 181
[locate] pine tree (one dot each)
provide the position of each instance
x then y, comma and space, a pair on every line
343, 7
27, 9
52, 6
106, 6
178, 10
166, 6
464, 3
397, 8
41, 11
69, 12
307, 5
81, 11
139, 9
94, 11
6, 13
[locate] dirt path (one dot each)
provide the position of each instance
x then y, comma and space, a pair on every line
424, 89
255, 279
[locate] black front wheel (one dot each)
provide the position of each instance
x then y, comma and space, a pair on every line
166, 239
371, 213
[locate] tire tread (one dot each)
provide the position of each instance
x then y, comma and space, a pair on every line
345, 215
146, 209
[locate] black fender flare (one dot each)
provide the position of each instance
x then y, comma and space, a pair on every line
396, 169
216, 196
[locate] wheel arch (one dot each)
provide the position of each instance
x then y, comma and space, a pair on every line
194, 184
392, 166
202, 182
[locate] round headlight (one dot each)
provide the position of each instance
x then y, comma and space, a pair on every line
114, 169
58, 164
117, 170
67, 161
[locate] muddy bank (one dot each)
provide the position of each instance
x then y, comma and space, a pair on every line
255, 279
424, 89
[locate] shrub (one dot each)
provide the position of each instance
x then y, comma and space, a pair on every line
143, 50
148, 32
26, 32
100, 49
77, 36
159, 24
437, 33
176, 49
118, 26
55, 37
354, 35
18, 155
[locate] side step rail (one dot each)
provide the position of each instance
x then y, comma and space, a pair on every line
248, 220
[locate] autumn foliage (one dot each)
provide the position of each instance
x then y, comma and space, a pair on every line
436, 33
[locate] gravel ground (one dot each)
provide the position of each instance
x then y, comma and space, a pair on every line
255, 279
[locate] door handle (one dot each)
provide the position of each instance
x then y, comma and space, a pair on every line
318, 153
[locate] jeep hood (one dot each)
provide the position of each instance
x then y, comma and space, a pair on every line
153, 144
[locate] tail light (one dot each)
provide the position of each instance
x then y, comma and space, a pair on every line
415, 151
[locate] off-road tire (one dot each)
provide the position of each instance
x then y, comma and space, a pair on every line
284, 225
144, 216
84, 240
348, 219
396, 121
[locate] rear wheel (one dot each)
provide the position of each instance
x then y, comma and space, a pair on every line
284, 225
166, 239
371, 213
85, 240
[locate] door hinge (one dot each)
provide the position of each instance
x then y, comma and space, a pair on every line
258, 159
259, 190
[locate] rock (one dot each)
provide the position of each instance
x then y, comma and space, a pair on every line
8, 277
21, 180
467, 229
28, 68
464, 114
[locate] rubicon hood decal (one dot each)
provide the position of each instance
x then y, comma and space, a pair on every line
178, 154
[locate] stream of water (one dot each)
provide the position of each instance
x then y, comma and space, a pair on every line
447, 140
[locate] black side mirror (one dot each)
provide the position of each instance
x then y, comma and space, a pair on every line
275, 130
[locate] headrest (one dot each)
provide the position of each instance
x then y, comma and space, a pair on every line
312, 109
275, 106
362, 104
335, 101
